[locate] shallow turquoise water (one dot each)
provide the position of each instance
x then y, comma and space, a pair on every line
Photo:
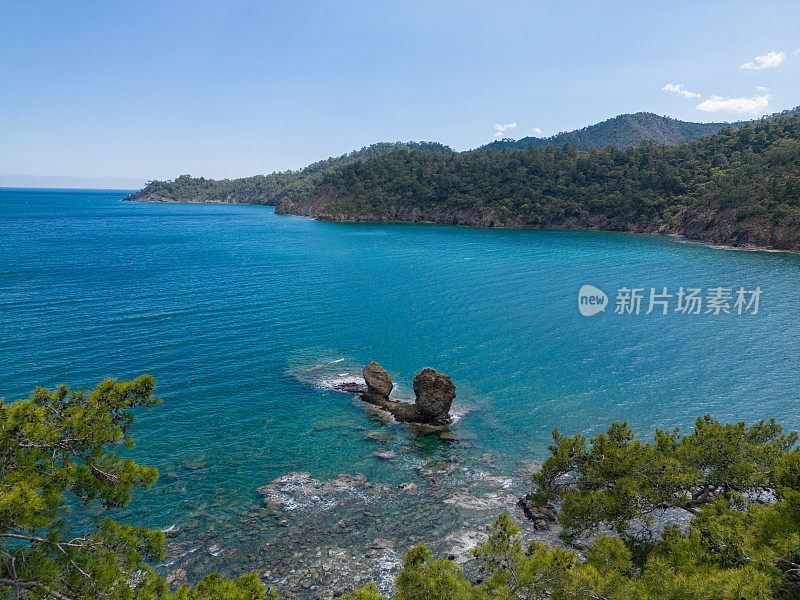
232, 307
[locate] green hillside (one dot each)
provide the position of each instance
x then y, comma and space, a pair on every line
267, 189
739, 187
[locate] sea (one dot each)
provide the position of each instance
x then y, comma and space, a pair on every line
248, 320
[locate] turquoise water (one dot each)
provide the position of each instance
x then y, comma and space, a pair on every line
240, 315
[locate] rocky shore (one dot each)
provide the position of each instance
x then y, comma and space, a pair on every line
716, 228
312, 537
321, 538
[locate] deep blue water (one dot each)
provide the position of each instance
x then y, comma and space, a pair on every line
231, 308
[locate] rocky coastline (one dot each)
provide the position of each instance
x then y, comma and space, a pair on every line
312, 537
320, 538
715, 228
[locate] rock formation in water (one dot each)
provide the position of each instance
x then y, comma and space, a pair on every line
434, 393
377, 379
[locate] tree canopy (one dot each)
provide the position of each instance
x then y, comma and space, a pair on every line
268, 189
732, 549
617, 478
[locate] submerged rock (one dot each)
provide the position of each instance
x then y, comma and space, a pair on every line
485, 501
300, 491
385, 454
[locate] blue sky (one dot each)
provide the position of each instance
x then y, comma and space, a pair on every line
151, 90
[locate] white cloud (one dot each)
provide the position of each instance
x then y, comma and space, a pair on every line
767, 61
761, 89
739, 106
537, 131
501, 128
677, 88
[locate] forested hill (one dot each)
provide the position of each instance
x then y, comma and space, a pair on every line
267, 189
740, 187
624, 131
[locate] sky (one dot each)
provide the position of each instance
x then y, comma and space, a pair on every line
111, 94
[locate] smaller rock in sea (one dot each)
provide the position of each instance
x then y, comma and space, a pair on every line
378, 379
351, 387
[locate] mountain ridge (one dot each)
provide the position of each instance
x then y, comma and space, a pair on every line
622, 132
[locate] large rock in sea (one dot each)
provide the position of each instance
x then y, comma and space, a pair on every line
378, 380
434, 393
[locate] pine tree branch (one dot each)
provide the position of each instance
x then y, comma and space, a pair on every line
33, 585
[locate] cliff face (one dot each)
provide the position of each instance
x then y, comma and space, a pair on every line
714, 227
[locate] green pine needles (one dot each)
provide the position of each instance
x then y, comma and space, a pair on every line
58, 448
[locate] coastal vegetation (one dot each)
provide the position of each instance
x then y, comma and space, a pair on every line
740, 187
735, 547
622, 132
59, 454
727, 184
268, 189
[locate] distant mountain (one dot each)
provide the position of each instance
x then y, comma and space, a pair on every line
624, 131
267, 189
